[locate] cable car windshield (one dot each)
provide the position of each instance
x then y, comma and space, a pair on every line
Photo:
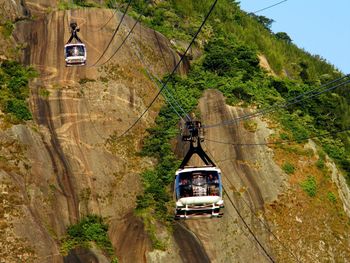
75, 51
198, 183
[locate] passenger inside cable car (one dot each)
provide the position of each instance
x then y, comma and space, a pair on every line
75, 54
75, 50
198, 184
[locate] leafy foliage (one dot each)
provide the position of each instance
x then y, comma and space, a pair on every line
309, 186
157, 145
288, 168
85, 3
89, 229
66, 5
283, 36
331, 197
263, 20
14, 79
231, 42
227, 58
7, 28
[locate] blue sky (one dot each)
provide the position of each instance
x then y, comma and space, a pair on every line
318, 26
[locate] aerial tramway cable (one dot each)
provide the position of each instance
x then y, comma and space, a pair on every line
109, 20
266, 226
304, 96
173, 71
280, 142
158, 83
171, 99
123, 42
267, 254
248, 227
115, 32
268, 7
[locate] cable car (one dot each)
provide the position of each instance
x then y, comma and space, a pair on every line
75, 53
197, 190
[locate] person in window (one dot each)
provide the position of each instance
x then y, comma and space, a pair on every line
213, 179
75, 51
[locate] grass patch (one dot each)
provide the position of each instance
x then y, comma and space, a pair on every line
63, 5
44, 93
309, 186
288, 168
250, 125
87, 230
7, 28
331, 197
320, 164
14, 92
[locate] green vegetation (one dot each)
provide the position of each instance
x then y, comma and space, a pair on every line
288, 168
44, 93
320, 164
331, 197
229, 63
158, 145
284, 36
85, 3
229, 45
110, 3
250, 125
89, 229
7, 28
14, 80
309, 186
66, 5
178, 19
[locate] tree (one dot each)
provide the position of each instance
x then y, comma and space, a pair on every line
283, 36
263, 20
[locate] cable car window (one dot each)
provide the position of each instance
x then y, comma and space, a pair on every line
75, 51
213, 184
185, 185
199, 183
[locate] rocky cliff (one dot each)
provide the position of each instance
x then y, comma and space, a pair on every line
62, 166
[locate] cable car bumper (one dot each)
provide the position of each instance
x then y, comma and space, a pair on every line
202, 206
76, 61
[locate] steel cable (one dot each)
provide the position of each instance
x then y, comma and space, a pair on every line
304, 96
115, 32
173, 71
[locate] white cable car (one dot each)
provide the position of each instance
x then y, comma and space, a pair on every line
75, 53
197, 190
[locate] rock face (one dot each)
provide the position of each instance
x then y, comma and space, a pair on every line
250, 178
75, 170
71, 161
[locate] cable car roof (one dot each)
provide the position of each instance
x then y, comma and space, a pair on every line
199, 168
74, 44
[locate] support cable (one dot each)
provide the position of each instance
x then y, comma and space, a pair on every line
115, 32
109, 20
124, 40
249, 229
173, 71
158, 82
302, 97
268, 7
280, 142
